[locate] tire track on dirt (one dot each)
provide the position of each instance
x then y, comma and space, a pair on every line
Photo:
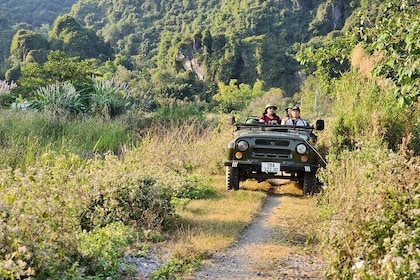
267, 248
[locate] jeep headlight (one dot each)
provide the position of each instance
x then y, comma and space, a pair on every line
301, 149
242, 145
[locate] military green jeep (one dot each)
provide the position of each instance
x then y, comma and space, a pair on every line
262, 151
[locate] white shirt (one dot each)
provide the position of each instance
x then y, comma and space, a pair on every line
299, 122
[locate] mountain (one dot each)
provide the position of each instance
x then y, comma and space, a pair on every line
32, 14
191, 45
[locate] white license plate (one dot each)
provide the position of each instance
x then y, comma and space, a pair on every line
270, 167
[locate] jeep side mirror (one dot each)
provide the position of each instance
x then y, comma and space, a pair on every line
231, 120
320, 124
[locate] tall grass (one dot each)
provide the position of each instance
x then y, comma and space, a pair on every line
372, 198
25, 135
69, 216
372, 226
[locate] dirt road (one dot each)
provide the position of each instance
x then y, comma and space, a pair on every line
277, 244
273, 246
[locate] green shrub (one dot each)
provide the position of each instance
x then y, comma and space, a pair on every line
60, 100
143, 204
102, 249
194, 187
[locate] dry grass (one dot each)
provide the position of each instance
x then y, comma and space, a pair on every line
187, 147
213, 224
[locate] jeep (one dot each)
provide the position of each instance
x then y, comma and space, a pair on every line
262, 151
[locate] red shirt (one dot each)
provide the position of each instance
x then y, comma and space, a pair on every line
273, 120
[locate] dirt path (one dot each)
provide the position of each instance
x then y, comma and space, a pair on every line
275, 245
271, 247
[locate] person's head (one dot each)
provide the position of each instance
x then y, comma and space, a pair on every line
289, 109
295, 112
270, 109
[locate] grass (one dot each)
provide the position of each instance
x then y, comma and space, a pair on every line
210, 225
206, 226
26, 135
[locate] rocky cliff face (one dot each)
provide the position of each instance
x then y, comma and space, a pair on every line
189, 63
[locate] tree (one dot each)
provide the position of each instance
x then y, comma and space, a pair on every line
59, 68
397, 35
25, 44
69, 36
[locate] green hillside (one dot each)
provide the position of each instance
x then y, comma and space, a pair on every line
216, 40
34, 14
244, 40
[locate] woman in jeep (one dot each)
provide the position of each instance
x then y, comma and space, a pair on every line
269, 116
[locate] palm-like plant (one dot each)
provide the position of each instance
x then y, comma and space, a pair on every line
59, 100
111, 98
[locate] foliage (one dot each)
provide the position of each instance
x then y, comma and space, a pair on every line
5, 93
194, 187
68, 36
327, 58
35, 12
111, 199
173, 111
397, 34
236, 97
178, 265
102, 249
58, 101
58, 68
372, 229
356, 119
109, 99
25, 45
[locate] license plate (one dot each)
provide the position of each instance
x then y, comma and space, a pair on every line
270, 167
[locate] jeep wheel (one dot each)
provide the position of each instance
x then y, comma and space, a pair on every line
232, 178
309, 184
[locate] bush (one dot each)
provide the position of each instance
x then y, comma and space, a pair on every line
42, 209
60, 100
143, 205
372, 230
102, 249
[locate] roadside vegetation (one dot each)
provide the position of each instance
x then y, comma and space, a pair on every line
93, 169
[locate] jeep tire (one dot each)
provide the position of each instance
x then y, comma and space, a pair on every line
309, 183
232, 178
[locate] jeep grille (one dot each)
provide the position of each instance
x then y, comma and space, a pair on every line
271, 142
271, 153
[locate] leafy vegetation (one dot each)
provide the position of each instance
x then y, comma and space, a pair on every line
108, 152
396, 36
217, 41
